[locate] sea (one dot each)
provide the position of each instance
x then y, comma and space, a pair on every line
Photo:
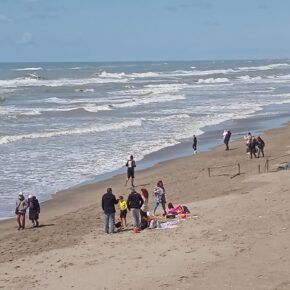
62, 124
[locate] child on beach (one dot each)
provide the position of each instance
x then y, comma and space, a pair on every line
159, 197
123, 210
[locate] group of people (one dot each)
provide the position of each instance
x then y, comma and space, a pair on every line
22, 205
255, 146
138, 205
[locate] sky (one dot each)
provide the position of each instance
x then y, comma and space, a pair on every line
143, 30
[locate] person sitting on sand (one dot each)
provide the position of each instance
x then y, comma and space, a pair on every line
175, 210
260, 146
123, 211
34, 210
131, 164
134, 203
159, 197
108, 205
20, 210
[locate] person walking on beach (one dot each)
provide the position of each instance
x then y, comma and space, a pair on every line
131, 164
194, 144
20, 210
159, 197
108, 205
260, 146
134, 204
252, 147
248, 139
34, 210
123, 211
227, 135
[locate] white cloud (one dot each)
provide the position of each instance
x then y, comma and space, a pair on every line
4, 18
26, 38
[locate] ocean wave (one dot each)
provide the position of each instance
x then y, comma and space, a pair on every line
247, 78
34, 82
28, 69
213, 81
264, 67
84, 90
145, 101
168, 118
76, 131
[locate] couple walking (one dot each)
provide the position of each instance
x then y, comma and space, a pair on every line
22, 205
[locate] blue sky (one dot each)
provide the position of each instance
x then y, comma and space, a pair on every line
120, 30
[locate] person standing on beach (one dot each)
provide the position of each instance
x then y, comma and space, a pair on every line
227, 135
145, 197
34, 210
20, 210
123, 211
194, 144
159, 197
252, 147
260, 146
108, 205
134, 204
131, 164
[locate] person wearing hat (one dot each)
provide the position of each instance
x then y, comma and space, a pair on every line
34, 210
20, 210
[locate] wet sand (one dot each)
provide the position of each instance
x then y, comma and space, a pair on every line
239, 227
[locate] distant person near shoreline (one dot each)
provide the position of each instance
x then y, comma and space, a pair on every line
34, 210
20, 210
131, 164
227, 135
194, 144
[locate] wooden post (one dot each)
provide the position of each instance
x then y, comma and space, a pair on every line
267, 165
239, 169
259, 168
208, 172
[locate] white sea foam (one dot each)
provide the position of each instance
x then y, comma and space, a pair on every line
33, 82
247, 78
265, 67
28, 69
213, 81
76, 131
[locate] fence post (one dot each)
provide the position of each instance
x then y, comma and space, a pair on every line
259, 168
267, 165
208, 172
239, 169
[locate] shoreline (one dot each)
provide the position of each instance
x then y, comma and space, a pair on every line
65, 201
210, 140
233, 218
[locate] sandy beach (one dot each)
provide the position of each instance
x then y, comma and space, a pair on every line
237, 236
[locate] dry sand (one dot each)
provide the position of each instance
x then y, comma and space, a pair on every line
238, 236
